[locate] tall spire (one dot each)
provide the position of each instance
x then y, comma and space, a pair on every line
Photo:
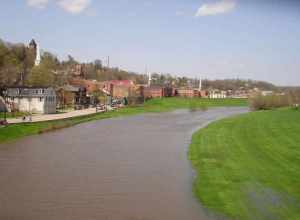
149, 76
38, 55
149, 79
200, 83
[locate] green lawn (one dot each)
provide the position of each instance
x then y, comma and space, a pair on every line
12, 115
248, 167
13, 132
167, 104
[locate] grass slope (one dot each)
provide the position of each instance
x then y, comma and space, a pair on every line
16, 131
249, 166
12, 115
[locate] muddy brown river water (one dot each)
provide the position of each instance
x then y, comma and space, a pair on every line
133, 168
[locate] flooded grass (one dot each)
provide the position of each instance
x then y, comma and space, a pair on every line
249, 166
16, 131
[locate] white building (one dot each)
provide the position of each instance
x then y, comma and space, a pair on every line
33, 100
267, 93
38, 56
217, 94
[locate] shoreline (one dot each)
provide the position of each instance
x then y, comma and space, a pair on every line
16, 131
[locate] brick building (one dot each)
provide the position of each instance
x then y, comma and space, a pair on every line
188, 92
90, 85
119, 88
153, 92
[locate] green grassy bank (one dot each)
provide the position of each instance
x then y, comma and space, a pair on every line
12, 115
249, 166
16, 131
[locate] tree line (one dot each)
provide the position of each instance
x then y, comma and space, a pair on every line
17, 68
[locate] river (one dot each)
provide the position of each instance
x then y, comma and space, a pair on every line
131, 168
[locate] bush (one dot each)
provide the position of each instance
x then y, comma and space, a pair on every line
260, 102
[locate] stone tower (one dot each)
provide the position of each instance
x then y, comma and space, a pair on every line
34, 46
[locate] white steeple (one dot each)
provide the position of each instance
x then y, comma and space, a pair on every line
200, 83
38, 56
149, 79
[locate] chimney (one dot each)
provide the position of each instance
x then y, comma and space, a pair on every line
200, 84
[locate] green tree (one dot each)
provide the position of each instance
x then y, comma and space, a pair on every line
45, 73
10, 66
40, 76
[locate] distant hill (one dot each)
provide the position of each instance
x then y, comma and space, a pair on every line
235, 84
17, 67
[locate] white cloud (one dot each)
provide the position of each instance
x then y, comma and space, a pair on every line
219, 7
41, 4
74, 6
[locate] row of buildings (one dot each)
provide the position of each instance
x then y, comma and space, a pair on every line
81, 93
85, 93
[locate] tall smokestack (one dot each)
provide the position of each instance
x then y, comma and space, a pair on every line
200, 84
149, 79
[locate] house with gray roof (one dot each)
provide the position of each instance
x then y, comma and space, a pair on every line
41, 100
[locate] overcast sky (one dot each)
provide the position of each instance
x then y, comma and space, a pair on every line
257, 39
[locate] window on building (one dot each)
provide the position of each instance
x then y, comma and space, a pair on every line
41, 99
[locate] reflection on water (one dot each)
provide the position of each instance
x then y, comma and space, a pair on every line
126, 168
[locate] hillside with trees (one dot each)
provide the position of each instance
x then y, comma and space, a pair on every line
17, 68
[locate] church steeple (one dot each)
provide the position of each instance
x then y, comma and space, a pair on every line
38, 56
34, 46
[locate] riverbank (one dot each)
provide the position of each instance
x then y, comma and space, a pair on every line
248, 167
120, 169
16, 131
53, 117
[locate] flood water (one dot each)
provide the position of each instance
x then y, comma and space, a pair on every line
133, 168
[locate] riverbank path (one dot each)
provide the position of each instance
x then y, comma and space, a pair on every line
51, 117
